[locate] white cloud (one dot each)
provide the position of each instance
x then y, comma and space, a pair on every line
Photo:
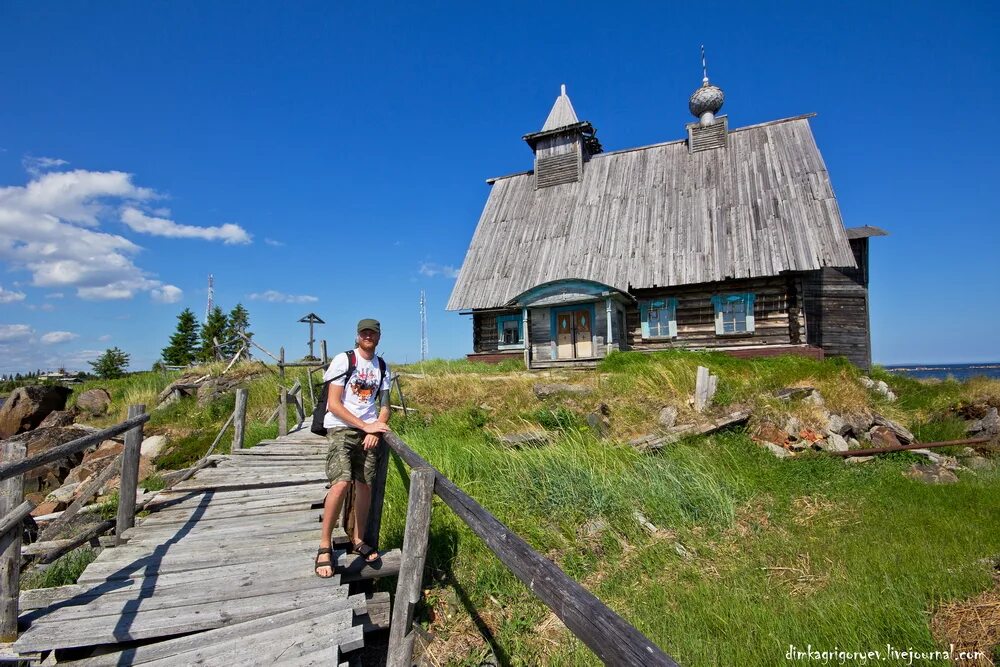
167, 294
273, 296
430, 269
105, 338
272, 242
36, 165
140, 222
45, 307
53, 337
54, 295
15, 332
10, 296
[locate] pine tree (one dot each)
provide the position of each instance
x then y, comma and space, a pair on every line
214, 328
111, 364
183, 345
238, 323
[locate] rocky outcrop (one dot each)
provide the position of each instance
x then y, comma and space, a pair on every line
59, 418
26, 407
50, 475
94, 401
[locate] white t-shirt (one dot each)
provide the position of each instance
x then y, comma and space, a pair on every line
360, 390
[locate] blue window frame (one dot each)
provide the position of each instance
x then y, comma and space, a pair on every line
658, 318
734, 314
510, 332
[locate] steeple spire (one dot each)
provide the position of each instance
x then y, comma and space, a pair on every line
562, 113
707, 100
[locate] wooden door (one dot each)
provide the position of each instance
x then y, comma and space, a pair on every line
582, 327
564, 335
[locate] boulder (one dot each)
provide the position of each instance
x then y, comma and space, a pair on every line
153, 445
833, 443
884, 437
40, 440
95, 461
987, 425
26, 407
836, 424
668, 417
931, 473
543, 391
902, 433
94, 401
857, 424
59, 418
64, 494
46, 507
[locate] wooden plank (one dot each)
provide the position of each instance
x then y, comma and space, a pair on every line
16, 516
411, 571
11, 497
53, 634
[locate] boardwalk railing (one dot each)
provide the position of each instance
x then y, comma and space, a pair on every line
606, 633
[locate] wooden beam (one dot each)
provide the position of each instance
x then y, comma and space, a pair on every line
91, 488
374, 527
411, 571
282, 410
240, 419
11, 469
16, 516
11, 497
130, 475
606, 633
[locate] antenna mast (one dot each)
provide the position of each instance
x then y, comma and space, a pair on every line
211, 296
423, 326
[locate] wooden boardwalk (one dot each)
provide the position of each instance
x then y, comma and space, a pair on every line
220, 573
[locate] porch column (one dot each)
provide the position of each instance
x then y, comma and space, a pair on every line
527, 341
611, 325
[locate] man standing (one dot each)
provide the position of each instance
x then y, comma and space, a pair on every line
354, 427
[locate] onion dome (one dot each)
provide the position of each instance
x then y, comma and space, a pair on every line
708, 98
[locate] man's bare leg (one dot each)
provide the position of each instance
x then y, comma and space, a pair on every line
331, 512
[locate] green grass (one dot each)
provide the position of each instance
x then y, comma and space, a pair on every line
453, 366
65, 570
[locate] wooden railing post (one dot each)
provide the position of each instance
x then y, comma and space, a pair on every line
281, 363
322, 347
283, 412
240, 421
129, 475
11, 495
411, 570
374, 526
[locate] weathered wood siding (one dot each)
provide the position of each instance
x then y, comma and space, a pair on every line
778, 314
484, 332
836, 305
541, 333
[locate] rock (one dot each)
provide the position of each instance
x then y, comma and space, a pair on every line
858, 424
152, 446
767, 431
793, 426
668, 417
47, 507
41, 440
879, 387
988, 425
833, 443
780, 452
64, 494
794, 393
543, 391
931, 473
815, 398
146, 468
526, 439
859, 459
836, 424
26, 407
94, 401
59, 418
901, 433
853, 444
593, 528
646, 524
96, 461
884, 437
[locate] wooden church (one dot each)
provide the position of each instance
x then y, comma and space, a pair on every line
729, 239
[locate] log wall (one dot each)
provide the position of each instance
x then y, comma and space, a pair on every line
836, 305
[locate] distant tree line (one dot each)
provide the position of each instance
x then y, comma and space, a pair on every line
194, 343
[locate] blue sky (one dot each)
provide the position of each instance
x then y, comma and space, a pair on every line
331, 158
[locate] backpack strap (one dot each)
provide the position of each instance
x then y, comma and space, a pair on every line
351, 365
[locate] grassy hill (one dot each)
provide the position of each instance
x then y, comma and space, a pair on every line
718, 551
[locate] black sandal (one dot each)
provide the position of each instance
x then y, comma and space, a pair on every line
324, 550
366, 552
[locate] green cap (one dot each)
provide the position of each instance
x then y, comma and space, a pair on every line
369, 323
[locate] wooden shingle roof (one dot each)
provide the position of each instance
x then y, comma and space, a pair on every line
661, 216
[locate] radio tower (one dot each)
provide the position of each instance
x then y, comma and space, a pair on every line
423, 326
211, 296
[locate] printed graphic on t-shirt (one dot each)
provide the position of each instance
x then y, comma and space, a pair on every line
364, 384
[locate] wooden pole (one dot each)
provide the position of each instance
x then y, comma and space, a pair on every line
129, 476
411, 570
283, 412
241, 419
11, 496
281, 363
322, 347
374, 526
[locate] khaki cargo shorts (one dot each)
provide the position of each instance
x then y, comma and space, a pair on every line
346, 458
